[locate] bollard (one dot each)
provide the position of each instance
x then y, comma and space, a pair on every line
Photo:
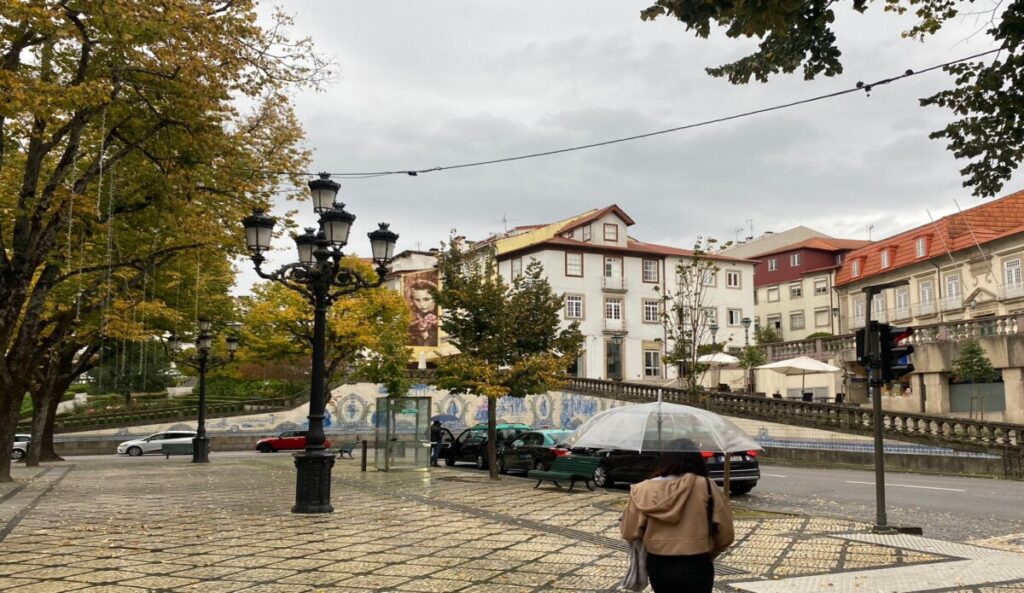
363, 463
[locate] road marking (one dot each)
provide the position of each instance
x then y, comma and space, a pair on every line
909, 486
773, 475
973, 566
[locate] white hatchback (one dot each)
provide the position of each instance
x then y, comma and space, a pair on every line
153, 442
20, 448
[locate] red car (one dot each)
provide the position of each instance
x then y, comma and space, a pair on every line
289, 439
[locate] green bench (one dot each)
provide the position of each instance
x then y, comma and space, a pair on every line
169, 449
347, 449
570, 469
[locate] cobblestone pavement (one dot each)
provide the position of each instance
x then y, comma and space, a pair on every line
152, 525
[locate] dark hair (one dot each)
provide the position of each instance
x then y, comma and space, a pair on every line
684, 459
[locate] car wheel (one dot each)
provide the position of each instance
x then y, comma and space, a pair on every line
449, 461
134, 451
265, 448
481, 461
17, 454
540, 466
741, 487
602, 478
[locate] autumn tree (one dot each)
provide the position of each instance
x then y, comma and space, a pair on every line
688, 312
986, 100
121, 144
366, 331
510, 337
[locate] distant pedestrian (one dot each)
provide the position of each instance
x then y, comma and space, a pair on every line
436, 434
683, 520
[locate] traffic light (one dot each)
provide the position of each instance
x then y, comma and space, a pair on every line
867, 344
895, 356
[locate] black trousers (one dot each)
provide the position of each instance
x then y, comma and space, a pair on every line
681, 574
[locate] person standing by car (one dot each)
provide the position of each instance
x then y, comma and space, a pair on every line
683, 520
436, 434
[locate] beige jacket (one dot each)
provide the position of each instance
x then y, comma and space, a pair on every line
672, 518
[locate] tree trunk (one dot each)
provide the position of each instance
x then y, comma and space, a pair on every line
44, 406
46, 450
10, 406
492, 436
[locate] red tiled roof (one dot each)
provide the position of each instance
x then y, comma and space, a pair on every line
990, 221
819, 243
596, 215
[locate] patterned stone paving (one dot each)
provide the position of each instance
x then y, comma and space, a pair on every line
156, 526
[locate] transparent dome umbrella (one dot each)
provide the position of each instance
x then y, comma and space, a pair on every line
660, 426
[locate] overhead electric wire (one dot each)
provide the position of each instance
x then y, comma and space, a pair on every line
860, 86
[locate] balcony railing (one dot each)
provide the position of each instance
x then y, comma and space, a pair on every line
1011, 291
615, 326
614, 283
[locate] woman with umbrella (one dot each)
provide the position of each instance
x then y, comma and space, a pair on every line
683, 520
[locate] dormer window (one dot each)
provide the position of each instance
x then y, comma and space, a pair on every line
855, 268
794, 260
921, 247
885, 259
611, 232
586, 233
773, 265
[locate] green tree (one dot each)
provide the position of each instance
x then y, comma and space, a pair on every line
985, 100
766, 335
510, 337
972, 365
751, 358
688, 314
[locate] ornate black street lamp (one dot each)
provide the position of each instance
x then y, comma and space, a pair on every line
321, 276
714, 332
746, 344
202, 362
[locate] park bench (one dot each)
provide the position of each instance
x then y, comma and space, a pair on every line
347, 448
169, 449
570, 469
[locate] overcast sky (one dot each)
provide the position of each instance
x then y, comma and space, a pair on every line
428, 83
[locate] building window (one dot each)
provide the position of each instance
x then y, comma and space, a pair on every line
926, 292
710, 277
613, 308
839, 259
611, 232
734, 317
710, 315
921, 247
732, 279
878, 305
796, 290
517, 267
858, 310
775, 322
794, 260
569, 234
885, 259
821, 318
574, 306
652, 363
576, 368
1011, 273
650, 270
796, 320
574, 264
855, 268
652, 310
773, 265
586, 233
613, 267
773, 294
820, 286
902, 302
953, 287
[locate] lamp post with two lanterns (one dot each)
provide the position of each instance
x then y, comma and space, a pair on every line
322, 277
202, 362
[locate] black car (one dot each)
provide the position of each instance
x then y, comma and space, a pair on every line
471, 444
632, 467
532, 450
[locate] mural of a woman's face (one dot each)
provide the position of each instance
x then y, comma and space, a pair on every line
423, 301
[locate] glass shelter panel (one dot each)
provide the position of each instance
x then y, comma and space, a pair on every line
402, 433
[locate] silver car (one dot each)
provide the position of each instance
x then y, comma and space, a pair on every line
153, 442
20, 448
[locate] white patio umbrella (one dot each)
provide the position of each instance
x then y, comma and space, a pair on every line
660, 426
801, 365
717, 360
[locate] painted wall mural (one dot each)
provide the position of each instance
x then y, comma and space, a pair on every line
419, 289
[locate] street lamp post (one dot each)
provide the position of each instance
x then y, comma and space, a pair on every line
321, 276
746, 344
617, 340
202, 362
714, 331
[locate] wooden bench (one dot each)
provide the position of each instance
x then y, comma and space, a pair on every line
570, 469
347, 449
169, 449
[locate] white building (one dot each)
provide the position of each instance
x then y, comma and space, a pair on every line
613, 284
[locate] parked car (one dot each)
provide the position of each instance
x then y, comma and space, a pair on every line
20, 448
289, 439
631, 467
153, 442
532, 450
471, 444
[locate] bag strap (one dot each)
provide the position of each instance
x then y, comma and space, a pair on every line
711, 509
